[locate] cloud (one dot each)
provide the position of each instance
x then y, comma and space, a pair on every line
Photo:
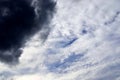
93, 55
20, 23
30, 77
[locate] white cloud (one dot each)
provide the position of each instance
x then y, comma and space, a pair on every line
30, 77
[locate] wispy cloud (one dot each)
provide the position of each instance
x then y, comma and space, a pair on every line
69, 53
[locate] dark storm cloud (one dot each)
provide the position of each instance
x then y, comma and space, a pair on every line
18, 20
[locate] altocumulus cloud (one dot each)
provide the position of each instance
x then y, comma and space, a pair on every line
82, 45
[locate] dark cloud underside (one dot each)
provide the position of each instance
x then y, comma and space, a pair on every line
17, 21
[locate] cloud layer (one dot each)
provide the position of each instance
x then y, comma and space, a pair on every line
83, 45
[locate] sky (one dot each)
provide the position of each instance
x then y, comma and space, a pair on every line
78, 41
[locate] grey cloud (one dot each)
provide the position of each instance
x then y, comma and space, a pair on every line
20, 24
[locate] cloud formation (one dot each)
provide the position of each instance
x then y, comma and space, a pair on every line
19, 20
81, 46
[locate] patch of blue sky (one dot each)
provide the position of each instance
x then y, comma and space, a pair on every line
84, 31
66, 63
87, 28
73, 57
65, 43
